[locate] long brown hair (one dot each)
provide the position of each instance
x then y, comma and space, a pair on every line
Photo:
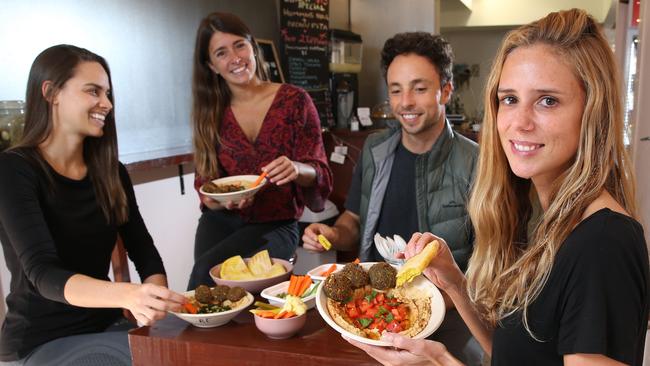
58, 64
508, 269
210, 93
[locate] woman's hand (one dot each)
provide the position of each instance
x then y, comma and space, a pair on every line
443, 270
149, 303
284, 170
408, 351
281, 170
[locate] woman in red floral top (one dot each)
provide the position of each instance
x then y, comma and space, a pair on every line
244, 124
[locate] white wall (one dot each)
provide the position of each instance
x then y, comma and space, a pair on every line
516, 12
378, 20
474, 46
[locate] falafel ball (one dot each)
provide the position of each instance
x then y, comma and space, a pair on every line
236, 293
220, 293
382, 276
357, 275
338, 287
203, 294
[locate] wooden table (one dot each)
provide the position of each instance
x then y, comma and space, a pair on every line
172, 341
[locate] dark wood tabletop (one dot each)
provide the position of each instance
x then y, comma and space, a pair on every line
173, 341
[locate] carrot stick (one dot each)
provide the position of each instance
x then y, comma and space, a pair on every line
279, 315
292, 285
329, 270
259, 180
265, 313
299, 284
357, 261
190, 308
304, 285
288, 314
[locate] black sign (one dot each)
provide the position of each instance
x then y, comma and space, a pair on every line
304, 26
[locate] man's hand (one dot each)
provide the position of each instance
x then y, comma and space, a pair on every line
310, 237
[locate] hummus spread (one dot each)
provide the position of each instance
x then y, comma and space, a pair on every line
369, 312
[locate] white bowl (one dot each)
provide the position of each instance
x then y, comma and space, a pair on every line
271, 294
257, 285
235, 197
315, 273
420, 282
214, 319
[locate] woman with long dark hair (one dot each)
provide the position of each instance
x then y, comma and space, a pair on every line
64, 198
244, 124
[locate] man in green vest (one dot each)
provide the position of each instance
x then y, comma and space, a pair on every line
414, 177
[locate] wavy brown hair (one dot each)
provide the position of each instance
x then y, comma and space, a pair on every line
58, 64
508, 269
210, 93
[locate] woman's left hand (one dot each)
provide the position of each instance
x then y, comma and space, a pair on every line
408, 351
282, 170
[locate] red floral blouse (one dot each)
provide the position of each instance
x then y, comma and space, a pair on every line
291, 127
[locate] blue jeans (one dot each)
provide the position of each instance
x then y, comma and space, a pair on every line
222, 234
110, 347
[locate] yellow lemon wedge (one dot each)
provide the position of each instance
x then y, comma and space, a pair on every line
234, 268
324, 242
416, 264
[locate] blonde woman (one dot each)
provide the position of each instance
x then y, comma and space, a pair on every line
559, 273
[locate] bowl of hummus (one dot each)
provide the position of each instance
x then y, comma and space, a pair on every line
365, 309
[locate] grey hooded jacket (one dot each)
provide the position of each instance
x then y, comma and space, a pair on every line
443, 178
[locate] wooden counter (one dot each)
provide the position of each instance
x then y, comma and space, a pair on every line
173, 341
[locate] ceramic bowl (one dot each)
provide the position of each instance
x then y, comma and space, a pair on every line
235, 197
214, 319
271, 294
257, 285
420, 284
280, 328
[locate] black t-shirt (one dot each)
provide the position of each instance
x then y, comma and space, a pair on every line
51, 229
399, 208
595, 300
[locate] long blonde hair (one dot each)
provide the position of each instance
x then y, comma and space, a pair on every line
210, 93
508, 269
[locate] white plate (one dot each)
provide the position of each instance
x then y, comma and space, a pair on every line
237, 196
315, 273
420, 282
270, 293
214, 319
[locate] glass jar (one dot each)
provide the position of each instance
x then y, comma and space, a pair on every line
12, 122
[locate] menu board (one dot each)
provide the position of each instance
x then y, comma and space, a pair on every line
304, 26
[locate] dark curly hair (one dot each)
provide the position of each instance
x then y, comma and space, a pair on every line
428, 45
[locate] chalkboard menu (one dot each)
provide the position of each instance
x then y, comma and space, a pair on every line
304, 26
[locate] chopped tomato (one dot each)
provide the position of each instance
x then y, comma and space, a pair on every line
364, 306
394, 327
380, 298
353, 312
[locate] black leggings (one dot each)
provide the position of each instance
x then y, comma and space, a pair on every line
222, 234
